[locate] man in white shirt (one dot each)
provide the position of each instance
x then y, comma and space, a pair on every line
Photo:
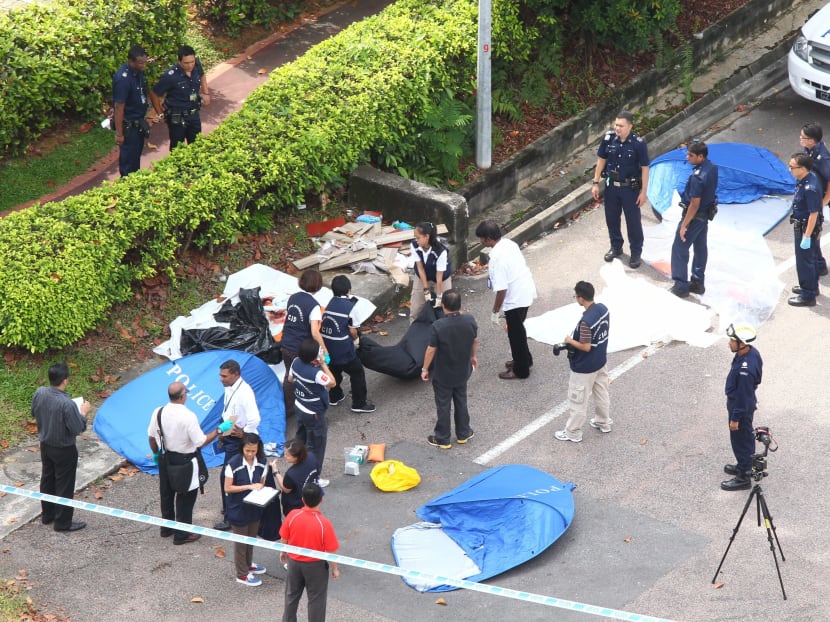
183, 436
239, 407
511, 280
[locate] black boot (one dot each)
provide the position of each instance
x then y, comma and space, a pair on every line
739, 482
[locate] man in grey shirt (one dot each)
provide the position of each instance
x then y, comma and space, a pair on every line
59, 422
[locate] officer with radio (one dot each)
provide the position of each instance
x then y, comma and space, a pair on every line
623, 162
700, 204
179, 95
129, 98
806, 227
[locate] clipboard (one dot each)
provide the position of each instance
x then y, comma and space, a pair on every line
261, 497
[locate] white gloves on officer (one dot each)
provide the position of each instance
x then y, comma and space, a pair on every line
494, 317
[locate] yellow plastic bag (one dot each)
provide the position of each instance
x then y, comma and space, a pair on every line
394, 476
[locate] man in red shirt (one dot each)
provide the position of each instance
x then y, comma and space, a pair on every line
308, 528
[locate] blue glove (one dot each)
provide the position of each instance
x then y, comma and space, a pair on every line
805, 243
225, 426
155, 457
327, 358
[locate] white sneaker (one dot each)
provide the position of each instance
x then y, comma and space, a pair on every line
322, 483
250, 580
562, 435
604, 428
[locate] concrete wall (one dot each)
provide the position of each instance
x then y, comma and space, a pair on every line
504, 181
411, 201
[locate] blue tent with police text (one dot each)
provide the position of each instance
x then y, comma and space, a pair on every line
497, 520
745, 173
122, 420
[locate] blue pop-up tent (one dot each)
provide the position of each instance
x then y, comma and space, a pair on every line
122, 420
745, 173
495, 521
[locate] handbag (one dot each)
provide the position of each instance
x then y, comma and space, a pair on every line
177, 466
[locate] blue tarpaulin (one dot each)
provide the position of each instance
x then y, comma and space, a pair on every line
122, 420
499, 519
745, 173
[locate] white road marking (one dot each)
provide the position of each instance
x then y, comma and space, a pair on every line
536, 425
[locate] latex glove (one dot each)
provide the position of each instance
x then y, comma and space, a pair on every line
427, 295
225, 426
805, 243
494, 317
155, 457
326, 358
437, 303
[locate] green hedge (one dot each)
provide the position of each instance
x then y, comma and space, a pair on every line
57, 59
313, 122
367, 91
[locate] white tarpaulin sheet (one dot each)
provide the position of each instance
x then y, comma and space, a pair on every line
742, 284
272, 283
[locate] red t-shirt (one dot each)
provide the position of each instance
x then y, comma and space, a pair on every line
309, 529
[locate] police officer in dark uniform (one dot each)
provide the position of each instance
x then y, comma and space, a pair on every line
811, 135
129, 97
179, 94
623, 163
698, 201
805, 221
743, 378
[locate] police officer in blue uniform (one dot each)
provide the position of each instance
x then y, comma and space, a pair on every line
805, 221
129, 97
699, 203
810, 138
623, 163
741, 382
179, 94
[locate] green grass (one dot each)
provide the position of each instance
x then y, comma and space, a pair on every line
31, 177
13, 604
18, 384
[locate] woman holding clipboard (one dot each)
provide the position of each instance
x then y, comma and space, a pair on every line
246, 472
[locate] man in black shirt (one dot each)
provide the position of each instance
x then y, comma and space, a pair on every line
452, 346
59, 421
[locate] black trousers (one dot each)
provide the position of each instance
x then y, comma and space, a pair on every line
176, 506
357, 377
57, 477
517, 335
455, 399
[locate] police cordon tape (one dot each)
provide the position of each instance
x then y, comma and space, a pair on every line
539, 599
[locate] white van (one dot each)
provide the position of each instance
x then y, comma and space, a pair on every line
809, 60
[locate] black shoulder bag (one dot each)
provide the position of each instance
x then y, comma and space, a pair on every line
178, 466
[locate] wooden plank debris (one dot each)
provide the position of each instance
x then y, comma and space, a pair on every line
354, 242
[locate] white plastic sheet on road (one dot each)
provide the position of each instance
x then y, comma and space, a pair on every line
742, 284
641, 314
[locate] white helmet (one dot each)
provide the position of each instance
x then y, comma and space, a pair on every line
743, 332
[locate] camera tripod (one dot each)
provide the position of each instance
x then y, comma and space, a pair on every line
761, 510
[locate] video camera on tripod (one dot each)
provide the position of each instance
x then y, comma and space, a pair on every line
759, 461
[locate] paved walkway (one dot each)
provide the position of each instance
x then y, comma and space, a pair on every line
230, 83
